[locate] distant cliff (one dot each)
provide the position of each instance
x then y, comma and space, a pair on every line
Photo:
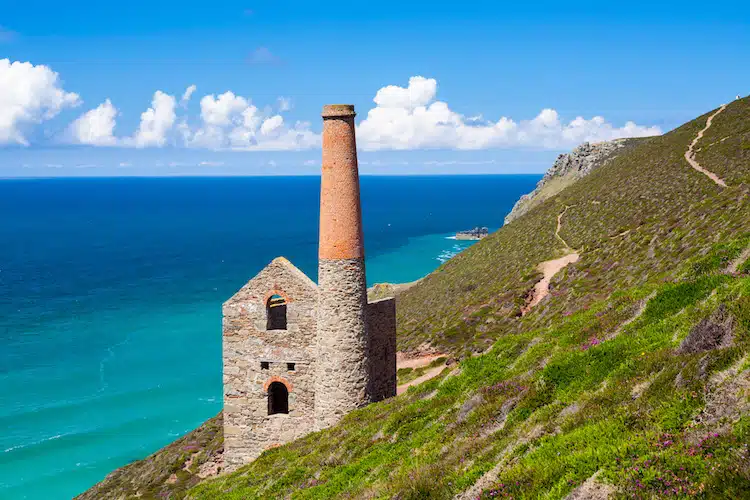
567, 169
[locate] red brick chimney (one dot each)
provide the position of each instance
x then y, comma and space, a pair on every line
342, 370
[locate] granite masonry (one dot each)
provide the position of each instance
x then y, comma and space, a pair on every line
299, 356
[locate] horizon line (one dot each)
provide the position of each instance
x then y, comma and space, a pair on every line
232, 176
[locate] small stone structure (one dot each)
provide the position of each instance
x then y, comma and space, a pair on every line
299, 356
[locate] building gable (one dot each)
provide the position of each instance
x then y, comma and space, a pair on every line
279, 277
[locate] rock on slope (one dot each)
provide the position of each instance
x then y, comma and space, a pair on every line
567, 169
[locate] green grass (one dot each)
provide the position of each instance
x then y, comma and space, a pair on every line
720, 257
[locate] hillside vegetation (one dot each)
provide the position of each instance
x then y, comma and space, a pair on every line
631, 379
641, 214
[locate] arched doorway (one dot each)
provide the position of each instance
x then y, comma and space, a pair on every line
276, 312
278, 398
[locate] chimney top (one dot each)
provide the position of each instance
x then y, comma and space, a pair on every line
338, 110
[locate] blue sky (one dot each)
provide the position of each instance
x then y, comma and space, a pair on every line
502, 85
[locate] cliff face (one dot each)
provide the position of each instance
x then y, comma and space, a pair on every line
567, 169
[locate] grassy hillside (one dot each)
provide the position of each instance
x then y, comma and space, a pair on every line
726, 145
651, 406
631, 379
671, 211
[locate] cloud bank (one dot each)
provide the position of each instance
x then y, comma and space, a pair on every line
411, 118
403, 118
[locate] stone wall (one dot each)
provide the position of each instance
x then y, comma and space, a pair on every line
381, 328
341, 382
248, 429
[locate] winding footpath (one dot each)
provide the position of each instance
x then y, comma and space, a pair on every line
418, 362
550, 268
559, 226
690, 153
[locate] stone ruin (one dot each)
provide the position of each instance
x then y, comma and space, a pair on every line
299, 356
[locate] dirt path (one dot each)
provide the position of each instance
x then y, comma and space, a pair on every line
417, 362
559, 225
432, 372
736, 263
690, 154
550, 268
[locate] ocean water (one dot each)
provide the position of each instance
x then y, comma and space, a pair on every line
111, 292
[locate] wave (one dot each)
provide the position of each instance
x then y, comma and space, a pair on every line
445, 256
448, 254
36, 443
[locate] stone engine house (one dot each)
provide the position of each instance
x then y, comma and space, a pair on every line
299, 356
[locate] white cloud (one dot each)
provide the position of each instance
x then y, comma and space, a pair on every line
271, 126
211, 163
95, 127
420, 92
156, 121
230, 121
223, 110
411, 118
187, 95
29, 95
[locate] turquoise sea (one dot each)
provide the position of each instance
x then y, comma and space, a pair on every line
111, 292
